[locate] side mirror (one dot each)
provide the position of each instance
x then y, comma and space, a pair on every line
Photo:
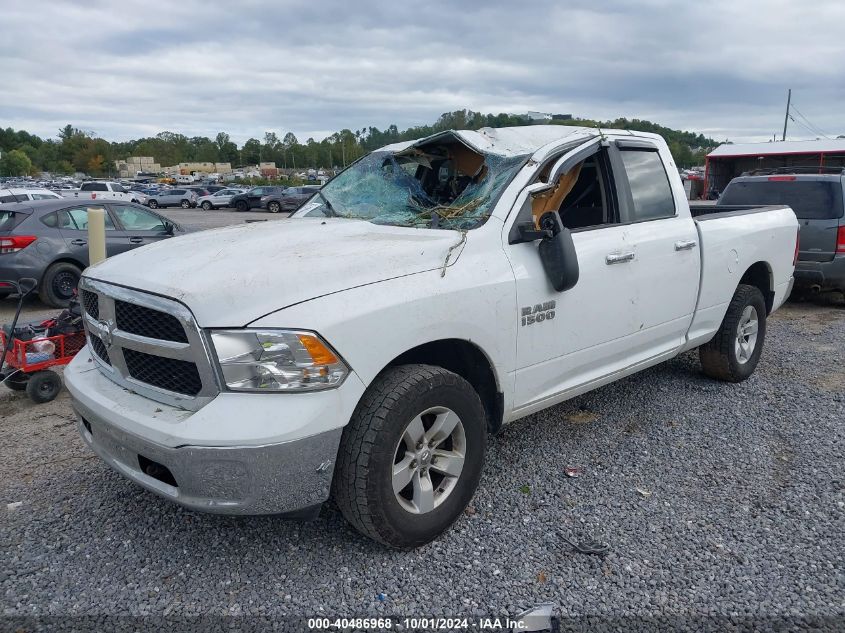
169, 228
557, 252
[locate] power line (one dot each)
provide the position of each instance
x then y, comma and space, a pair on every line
804, 126
813, 128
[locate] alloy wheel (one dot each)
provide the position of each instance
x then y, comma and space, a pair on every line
428, 460
746, 335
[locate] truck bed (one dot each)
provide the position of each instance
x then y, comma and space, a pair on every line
710, 211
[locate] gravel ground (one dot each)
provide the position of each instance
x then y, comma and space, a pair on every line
716, 499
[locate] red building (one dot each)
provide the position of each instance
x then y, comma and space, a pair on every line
731, 160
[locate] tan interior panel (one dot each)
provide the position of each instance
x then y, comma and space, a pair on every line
551, 199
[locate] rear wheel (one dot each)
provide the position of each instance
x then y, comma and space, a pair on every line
17, 381
241, 206
411, 457
206, 205
43, 386
185, 204
59, 283
152, 204
732, 355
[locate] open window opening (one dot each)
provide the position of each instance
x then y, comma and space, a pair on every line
582, 196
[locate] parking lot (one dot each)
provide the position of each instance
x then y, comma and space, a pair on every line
714, 498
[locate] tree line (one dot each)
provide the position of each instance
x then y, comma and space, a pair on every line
76, 150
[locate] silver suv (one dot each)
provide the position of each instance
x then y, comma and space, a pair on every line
173, 198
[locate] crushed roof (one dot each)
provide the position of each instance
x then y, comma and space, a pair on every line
508, 141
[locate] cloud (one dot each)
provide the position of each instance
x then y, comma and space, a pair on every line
720, 67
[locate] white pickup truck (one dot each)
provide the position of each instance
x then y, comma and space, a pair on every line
429, 294
100, 190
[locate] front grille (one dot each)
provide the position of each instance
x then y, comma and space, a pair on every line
179, 376
155, 347
91, 303
100, 349
142, 321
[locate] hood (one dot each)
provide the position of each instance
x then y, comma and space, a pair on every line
229, 277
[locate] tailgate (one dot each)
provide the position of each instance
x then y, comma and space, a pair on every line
818, 240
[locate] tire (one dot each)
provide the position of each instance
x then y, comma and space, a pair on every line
274, 207
732, 355
152, 204
402, 400
58, 284
206, 205
43, 386
241, 206
185, 204
17, 382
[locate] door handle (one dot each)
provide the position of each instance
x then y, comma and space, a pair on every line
619, 258
685, 245
79, 242
136, 240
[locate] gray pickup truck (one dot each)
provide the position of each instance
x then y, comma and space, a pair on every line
817, 200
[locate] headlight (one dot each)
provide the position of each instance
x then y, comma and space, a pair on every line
276, 360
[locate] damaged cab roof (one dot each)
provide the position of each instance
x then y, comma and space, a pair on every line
504, 141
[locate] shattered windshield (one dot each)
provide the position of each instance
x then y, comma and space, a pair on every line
441, 185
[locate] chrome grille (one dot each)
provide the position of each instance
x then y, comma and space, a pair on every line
91, 303
142, 321
148, 344
99, 348
180, 376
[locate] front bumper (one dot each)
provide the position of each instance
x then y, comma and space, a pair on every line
824, 275
271, 479
239, 454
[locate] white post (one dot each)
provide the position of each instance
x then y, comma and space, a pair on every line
96, 235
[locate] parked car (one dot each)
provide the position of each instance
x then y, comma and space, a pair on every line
434, 291
252, 199
48, 240
289, 199
200, 191
139, 196
101, 190
219, 199
26, 195
817, 200
172, 198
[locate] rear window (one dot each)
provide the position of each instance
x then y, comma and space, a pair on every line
10, 219
94, 186
809, 199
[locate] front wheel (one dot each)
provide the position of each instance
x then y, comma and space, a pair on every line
206, 206
732, 355
241, 206
185, 204
411, 456
152, 204
274, 207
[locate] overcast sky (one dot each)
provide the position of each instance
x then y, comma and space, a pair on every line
134, 68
